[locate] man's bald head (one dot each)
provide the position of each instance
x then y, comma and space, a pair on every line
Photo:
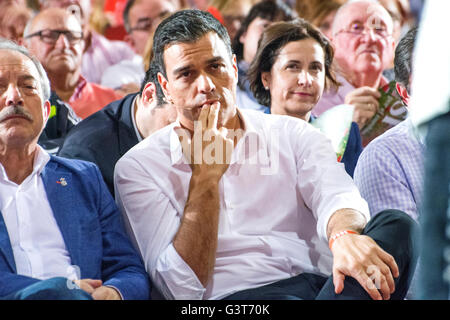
81, 8
54, 36
362, 39
364, 9
50, 17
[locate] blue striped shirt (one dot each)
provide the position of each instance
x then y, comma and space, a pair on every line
389, 173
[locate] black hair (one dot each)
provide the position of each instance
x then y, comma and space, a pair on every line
272, 10
151, 75
126, 15
403, 58
185, 26
273, 39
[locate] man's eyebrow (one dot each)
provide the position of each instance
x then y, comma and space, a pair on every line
215, 60
26, 77
188, 67
181, 69
144, 19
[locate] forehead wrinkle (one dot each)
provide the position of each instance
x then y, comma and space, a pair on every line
367, 9
55, 19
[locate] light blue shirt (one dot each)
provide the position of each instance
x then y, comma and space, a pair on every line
389, 173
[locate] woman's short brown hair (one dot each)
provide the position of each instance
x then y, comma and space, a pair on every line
273, 40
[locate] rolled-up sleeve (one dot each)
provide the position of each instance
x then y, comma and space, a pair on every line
152, 221
324, 184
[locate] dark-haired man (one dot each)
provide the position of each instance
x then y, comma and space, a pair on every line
105, 136
389, 173
236, 204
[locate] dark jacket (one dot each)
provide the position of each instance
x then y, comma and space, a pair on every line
103, 138
62, 118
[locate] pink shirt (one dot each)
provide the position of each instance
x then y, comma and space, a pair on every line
102, 54
89, 97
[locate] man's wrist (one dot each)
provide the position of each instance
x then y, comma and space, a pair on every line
339, 234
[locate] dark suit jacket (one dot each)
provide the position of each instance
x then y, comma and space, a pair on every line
103, 138
92, 229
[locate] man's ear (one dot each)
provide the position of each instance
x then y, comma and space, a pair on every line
149, 93
87, 39
403, 93
46, 111
235, 67
164, 83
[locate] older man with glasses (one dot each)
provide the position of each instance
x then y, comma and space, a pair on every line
99, 53
55, 37
364, 47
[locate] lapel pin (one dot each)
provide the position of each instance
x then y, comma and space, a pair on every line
62, 182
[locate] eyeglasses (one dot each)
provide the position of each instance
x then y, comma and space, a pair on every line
51, 36
359, 29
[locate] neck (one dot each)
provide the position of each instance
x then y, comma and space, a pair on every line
18, 162
366, 79
142, 126
304, 116
369, 78
64, 84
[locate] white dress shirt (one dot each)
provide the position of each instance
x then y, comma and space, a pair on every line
276, 197
37, 244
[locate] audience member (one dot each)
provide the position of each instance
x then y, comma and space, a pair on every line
401, 17
233, 13
430, 114
141, 17
99, 52
319, 12
208, 226
62, 58
58, 221
13, 17
389, 173
364, 47
289, 73
105, 136
245, 44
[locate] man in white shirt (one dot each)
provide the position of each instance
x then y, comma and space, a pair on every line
234, 204
58, 222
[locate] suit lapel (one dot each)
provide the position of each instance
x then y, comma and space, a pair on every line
5, 245
127, 134
61, 196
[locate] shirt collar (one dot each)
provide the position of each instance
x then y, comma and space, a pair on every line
133, 118
41, 158
82, 82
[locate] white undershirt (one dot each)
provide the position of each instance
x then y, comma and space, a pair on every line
37, 244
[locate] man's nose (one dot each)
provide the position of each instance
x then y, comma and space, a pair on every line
13, 96
369, 34
205, 83
62, 41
